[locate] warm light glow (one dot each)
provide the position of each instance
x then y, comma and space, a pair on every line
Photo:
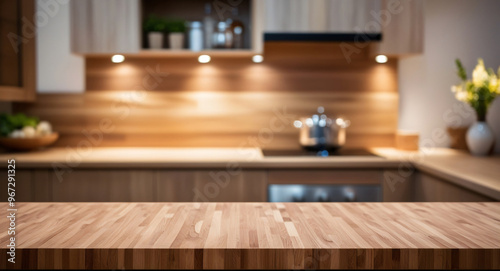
381, 59
339, 121
204, 59
117, 59
257, 59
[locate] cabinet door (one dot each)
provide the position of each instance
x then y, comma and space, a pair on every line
320, 15
107, 27
103, 185
212, 186
400, 22
17, 50
30, 186
429, 189
402, 28
398, 185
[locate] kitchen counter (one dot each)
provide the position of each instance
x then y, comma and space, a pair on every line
479, 174
255, 235
185, 158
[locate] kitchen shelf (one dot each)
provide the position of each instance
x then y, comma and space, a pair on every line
182, 53
188, 53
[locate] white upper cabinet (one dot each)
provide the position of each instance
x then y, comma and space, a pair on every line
110, 26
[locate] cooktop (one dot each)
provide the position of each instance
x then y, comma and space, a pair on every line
320, 153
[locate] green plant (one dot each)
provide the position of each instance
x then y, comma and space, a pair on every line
175, 26
9, 122
479, 92
155, 24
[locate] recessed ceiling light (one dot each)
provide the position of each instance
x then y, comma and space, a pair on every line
204, 59
257, 58
117, 59
381, 59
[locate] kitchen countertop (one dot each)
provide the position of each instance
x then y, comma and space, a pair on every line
480, 174
185, 158
255, 235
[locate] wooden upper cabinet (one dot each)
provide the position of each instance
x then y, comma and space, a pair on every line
402, 28
105, 27
400, 22
319, 15
17, 50
115, 26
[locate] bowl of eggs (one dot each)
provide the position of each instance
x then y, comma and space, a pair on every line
21, 133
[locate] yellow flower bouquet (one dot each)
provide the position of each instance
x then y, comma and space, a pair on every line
479, 92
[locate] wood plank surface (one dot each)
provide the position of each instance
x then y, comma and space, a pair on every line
210, 119
229, 102
256, 235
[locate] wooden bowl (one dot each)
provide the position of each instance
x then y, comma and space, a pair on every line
27, 144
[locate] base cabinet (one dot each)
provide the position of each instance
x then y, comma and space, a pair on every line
429, 188
211, 186
398, 185
104, 186
30, 185
221, 185
140, 185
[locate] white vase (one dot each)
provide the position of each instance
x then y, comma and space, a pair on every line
480, 138
176, 40
155, 40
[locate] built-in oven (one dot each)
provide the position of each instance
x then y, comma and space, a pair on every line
343, 192
324, 193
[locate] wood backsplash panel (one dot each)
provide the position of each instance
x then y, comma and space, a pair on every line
229, 102
287, 67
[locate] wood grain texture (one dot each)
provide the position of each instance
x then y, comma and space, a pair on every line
256, 236
460, 168
324, 176
407, 141
25, 88
398, 185
288, 66
217, 185
477, 174
430, 188
103, 185
105, 26
32, 186
205, 119
229, 102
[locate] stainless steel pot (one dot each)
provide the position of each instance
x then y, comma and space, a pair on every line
319, 132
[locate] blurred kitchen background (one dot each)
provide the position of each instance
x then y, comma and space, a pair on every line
266, 58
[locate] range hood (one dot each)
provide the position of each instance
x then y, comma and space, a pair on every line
322, 37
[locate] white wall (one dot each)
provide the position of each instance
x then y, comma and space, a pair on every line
453, 29
57, 69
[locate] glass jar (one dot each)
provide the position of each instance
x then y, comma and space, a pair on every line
195, 36
223, 36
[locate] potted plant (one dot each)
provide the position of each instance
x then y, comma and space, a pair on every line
155, 27
176, 29
479, 93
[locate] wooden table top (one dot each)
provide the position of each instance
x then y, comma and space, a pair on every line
247, 235
257, 225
